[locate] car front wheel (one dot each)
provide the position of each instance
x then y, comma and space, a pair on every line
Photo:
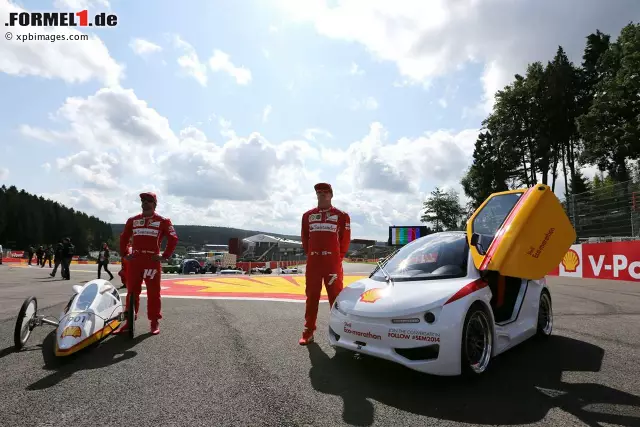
477, 342
545, 315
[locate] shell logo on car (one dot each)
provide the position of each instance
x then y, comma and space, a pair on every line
571, 261
372, 295
71, 331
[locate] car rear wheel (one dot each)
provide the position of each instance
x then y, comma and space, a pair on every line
545, 315
477, 342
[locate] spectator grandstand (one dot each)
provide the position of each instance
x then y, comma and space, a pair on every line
263, 247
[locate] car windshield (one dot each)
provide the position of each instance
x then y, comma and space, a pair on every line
435, 256
87, 296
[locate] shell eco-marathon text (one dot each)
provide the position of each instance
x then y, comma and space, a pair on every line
60, 19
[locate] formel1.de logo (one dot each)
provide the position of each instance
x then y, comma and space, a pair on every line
61, 19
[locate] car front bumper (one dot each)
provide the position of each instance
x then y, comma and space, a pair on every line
429, 348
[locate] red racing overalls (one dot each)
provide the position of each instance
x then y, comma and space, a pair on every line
147, 233
326, 234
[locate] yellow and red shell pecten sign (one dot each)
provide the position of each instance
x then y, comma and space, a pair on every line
373, 295
71, 331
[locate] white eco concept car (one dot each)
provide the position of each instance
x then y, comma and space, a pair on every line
447, 303
94, 311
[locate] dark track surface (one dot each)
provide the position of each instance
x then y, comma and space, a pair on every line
238, 363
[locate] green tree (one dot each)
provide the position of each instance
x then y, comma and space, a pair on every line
490, 171
442, 210
610, 128
29, 220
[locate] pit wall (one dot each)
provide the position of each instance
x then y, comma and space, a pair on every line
607, 261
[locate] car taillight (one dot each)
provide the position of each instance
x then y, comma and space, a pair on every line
476, 285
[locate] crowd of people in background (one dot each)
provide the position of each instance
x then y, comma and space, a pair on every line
62, 254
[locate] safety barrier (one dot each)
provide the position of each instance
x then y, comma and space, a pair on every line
607, 261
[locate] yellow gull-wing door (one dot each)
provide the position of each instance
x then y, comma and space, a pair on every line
520, 233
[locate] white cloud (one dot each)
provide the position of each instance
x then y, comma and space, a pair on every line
221, 61
409, 164
96, 170
310, 134
190, 62
4, 174
77, 5
355, 70
74, 61
265, 113
144, 47
368, 103
124, 146
428, 39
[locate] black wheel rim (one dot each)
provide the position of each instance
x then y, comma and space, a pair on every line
478, 342
545, 315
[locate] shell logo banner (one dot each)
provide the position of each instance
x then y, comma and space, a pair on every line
608, 261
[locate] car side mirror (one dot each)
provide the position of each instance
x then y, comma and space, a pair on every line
475, 242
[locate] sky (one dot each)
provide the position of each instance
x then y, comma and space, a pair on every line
231, 111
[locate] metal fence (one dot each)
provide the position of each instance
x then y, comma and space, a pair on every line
609, 213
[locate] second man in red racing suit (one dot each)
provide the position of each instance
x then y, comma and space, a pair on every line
144, 264
326, 234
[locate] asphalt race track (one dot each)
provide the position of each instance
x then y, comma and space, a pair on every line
238, 363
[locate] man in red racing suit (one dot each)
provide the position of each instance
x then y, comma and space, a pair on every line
326, 234
144, 264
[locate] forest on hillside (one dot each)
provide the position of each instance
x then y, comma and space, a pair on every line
30, 220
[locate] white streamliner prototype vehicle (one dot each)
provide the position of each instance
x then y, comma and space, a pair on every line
447, 303
93, 313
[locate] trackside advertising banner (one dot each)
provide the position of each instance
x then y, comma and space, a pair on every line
610, 261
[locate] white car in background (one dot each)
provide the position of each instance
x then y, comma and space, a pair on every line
230, 271
447, 303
